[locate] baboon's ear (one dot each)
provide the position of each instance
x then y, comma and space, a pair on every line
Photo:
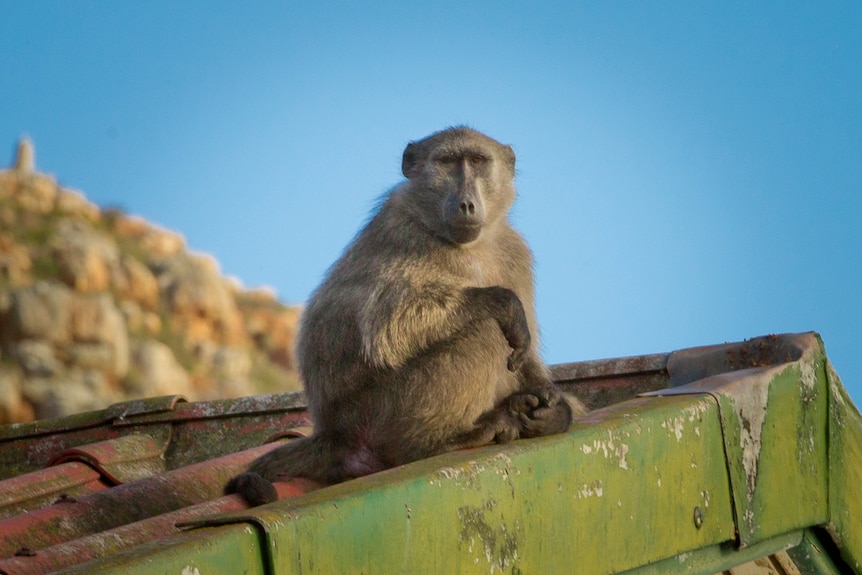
509, 155
408, 161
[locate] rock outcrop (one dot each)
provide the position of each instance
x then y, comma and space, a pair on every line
97, 306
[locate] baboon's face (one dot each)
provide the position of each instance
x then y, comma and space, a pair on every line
463, 182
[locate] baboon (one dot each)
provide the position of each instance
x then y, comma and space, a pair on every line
422, 337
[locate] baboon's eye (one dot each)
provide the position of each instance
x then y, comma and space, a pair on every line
447, 158
478, 159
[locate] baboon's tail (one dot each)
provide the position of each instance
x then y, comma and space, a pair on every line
310, 457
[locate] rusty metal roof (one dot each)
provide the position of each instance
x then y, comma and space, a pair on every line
737, 458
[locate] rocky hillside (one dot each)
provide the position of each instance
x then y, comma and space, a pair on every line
97, 306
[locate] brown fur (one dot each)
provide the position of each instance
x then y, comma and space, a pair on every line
419, 339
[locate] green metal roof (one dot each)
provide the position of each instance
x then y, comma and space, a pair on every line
737, 458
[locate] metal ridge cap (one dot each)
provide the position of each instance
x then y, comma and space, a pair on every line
627, 365
692, 364
89, 419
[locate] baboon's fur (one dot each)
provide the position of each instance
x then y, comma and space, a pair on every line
418, 341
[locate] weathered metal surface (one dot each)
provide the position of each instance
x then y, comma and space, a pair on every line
622, 466
26, 447
643, 467
794, 553
155, 528
40, 488
845, 472
775, 436
774, 424
130, 441
812, 557
124, 459
602, 368
231, 549
600, 383
759, 447
697, 363
715, 559
123, 504
197, 431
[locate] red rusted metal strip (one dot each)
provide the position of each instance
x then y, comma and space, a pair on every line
124, 459
26, 447
195, 431
160, 527
34, 490
123, 504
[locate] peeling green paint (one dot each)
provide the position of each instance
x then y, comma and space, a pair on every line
230, 550
771, 459
487, 538
530, 507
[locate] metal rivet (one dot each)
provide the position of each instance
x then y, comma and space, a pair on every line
698, 517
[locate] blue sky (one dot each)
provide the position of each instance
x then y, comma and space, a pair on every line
689, 172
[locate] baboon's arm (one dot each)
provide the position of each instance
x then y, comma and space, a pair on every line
401, 323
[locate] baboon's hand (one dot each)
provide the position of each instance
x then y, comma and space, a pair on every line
499, 425
540, 412
495, 426
519, 403
516, 359
546, 420
543, 396
549, 395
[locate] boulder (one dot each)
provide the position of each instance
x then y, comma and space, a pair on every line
41, 311
200, 302
15, 261
155, 371
134, 281
84, 256
158, 242
36, 358
73, 392
13, 407
96, 319
140, 321
74, 203
36, 193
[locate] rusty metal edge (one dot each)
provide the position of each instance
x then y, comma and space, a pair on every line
89, 419
129, 502
593, 369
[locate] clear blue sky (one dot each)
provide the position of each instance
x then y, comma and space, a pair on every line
689, 172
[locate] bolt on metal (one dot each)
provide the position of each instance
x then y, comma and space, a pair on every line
698, 517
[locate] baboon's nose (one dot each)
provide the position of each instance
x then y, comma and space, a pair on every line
468, 208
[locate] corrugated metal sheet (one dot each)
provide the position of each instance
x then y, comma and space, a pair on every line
739, 458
